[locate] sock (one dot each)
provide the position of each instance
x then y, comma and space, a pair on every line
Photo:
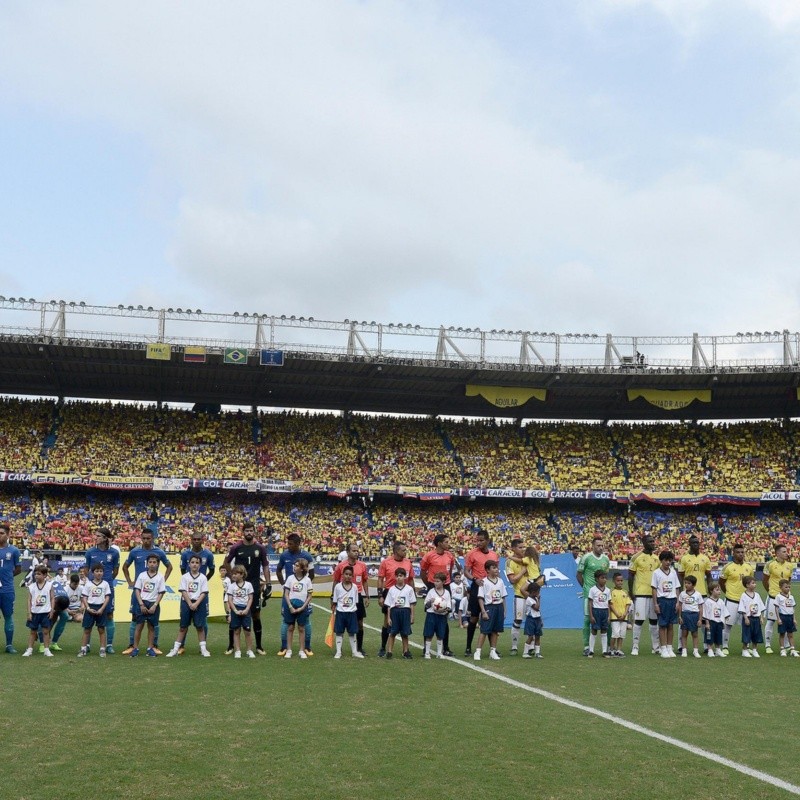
339, 645
360, 641
131, 633
177, 645
637, 633
384, 637
427, 648
257, 631
514, 636
439, 648
526, 648
284, 631
471, 626
726, 635
353, 645
604, 643
654, 640
63, 618
230, 639
768, 632
203, 647
446, 642
9, 628
591, 642
537, 648
308, 634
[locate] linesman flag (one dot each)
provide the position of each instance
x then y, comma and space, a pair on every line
159, 352
234, 355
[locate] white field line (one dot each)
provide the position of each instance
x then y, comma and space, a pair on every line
764, 777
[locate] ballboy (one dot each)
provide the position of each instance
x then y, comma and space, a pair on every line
95, 599
492, 595
437, 610
240, 602
752, 609
194, 591
690, 614
40, 606
344, 604
619, 607
597, 605
665, 601
148, 590
399, 604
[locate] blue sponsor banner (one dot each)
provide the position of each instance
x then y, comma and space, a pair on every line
561, 596
272, 358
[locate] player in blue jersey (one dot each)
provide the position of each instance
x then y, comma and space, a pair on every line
284, 570
206, 568
9, 568
106, 555
138, 557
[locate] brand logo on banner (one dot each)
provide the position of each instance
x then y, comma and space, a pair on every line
234, 355
272, 358
505, 396
159, 352
171, 484
670, 400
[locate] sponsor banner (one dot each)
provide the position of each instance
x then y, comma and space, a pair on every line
569, 494
234, 355
421, 489
376, 488
794, 496
602, 494
271, 485
171, 484
509, 492
119, 482
561, 605
505, 396
159, 352
537, 494
771, 497
194, 354
271, 358
670, 400
59, 479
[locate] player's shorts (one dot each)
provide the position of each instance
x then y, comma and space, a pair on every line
39, 622
668, 613
361, 609
150, 619
399, 621
643, 609
237, 622
345, 621
690, 621
496, 621
295, 619
91, 620
734, 617
197, 618
772, 609
473, 605
435, 625
7, 604
519, 608
715, 628
751, 634
533, 626
619, 628
600, 619
786, 624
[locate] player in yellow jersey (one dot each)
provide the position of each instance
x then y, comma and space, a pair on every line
640, 573
775, 571
731, 582
697, 564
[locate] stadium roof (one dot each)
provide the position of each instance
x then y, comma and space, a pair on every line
363, 383
66, 350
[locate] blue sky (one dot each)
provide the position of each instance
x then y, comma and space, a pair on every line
628, 166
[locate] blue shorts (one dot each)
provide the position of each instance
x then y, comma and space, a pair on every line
435, 625
197, 617
39, 622
7, 604
345, 621
150, 619
600, 619
400, 621
90, 620
496, 621
245, 622
533, 626
690, 621
751, 634
786, 624
295, 619
667, 614
715, 633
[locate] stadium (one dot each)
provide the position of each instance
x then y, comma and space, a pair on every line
449, 440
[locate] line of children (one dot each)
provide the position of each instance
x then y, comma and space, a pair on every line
492, 595
95, 597
240, 604
597, 604
194, 590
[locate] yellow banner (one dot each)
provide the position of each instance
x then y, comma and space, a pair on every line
505, 396
670, 400
171, 602
159, 352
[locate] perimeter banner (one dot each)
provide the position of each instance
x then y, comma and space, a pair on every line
670, 400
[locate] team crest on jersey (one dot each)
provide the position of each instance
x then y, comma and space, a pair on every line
109, 557
193, 586
401, 601
495, 594
347, 602
667, 586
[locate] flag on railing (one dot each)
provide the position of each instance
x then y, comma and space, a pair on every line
159, 352
234, 355
194, 354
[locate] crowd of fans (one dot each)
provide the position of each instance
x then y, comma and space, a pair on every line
343, 450
66, 519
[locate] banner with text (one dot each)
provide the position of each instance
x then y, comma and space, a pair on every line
670, 400
505, 396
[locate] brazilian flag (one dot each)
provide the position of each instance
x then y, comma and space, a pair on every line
235, 355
